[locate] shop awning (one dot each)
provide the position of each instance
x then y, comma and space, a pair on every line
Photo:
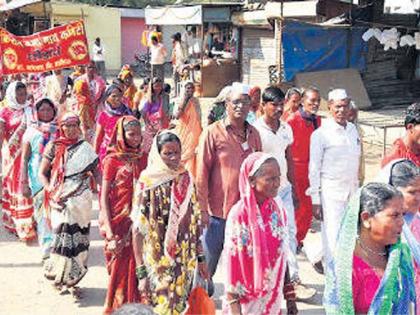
16, 4
191, 15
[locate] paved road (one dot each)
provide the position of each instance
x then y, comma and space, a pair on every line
26, 291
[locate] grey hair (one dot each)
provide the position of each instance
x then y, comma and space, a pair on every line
403, 173
258, 173
134, 309
310, 89
374, 197
293, 91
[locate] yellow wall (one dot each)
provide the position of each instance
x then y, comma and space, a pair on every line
100, 22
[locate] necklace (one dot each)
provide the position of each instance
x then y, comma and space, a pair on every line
369, 250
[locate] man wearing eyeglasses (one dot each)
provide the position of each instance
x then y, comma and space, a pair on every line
224, 145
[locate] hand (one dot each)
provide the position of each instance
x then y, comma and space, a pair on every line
291, 307
317, 212
26, 191
235, 308
295, 200
204, 219
143, 288
202, 269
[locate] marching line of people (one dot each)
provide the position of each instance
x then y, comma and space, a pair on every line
175, 196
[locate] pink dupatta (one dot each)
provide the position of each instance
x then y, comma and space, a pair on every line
254, 240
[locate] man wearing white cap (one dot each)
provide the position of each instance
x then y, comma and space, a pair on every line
333, 168
224, 145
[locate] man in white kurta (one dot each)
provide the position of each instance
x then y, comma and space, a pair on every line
333, 169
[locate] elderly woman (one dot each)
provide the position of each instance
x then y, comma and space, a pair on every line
256, 242
188, 126
66, 173
166, 229
372, 271
405, 176
42, 130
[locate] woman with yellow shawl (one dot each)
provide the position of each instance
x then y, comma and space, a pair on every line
166, 229
127, 76
188, 126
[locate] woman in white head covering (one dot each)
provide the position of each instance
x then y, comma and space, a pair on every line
12, 127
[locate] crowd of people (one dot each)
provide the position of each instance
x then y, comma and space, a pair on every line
175, 194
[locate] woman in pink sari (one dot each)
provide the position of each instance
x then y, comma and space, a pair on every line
256, 242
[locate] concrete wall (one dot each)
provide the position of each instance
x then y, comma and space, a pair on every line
100, 22
131, 31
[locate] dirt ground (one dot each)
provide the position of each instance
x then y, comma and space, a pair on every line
25, 290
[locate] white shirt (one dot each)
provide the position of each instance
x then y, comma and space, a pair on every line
98, 52
334, 161
157, 54
276, 143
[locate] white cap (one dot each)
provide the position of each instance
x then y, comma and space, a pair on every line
240, 88
337, 95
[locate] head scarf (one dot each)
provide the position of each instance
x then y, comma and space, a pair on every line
125, 72
49, 130
58, 166
157, 172
262, 258
11, 97
253, 91
121, 110
396, 291
118, 147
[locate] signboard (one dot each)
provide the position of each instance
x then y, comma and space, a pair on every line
60, 47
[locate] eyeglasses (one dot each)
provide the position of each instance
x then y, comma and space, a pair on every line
238, 102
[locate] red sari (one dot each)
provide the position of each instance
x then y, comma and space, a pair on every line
122, 167
14, 127
400, 151
302, 131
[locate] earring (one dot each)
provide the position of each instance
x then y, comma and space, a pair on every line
366, 224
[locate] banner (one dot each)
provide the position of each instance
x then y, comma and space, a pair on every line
60, 47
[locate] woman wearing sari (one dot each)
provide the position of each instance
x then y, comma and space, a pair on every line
256, 242
166, 228
88, 90
155, 112
372, 270
13, 123
127, 76
122, 166
107, 119
37, 136
66, 173
405, 176
188, 126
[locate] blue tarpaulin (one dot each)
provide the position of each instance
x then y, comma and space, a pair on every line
308, 47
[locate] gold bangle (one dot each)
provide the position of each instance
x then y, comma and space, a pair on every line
234, 301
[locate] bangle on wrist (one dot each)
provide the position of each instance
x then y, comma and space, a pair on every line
231, 302
141, 272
